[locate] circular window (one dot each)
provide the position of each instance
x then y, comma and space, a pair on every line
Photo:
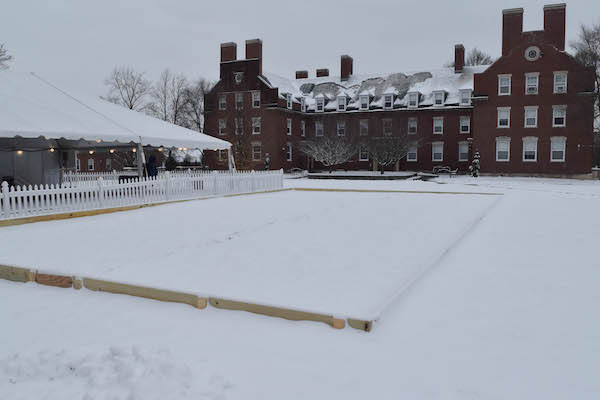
239, 76
532, 53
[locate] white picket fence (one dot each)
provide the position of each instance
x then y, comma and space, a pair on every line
92, 177
23, 202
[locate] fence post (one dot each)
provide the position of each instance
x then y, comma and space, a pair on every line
101, 192
6, 204
167, 185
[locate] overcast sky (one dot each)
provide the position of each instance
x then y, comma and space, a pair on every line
76, 43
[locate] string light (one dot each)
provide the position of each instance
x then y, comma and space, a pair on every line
160, 149
181, 148
20, 152
112, 151
51, 150
185, 148
91, 151
134, 150
98, 141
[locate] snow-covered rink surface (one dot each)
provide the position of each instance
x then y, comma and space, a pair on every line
340, 253
509, 312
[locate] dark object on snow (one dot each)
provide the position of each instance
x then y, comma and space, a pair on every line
267, 162
171, 163
151, 166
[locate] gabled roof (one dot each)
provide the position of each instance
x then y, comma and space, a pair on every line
31, 107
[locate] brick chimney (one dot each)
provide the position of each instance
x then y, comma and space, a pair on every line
301, 74
346, 67
254, 51
512, 28
228, 52
322, 72
554, 24
459, 58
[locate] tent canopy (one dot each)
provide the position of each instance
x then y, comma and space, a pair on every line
31, 107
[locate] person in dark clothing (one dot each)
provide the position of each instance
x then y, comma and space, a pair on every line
151, 166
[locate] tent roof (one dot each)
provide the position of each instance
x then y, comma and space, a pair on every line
31, 107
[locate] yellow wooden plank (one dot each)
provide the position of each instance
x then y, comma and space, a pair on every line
360, 324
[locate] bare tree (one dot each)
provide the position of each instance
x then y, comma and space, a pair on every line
329, 149
5, 58
475, 57
194, 103
387, 150
587, 51
168, 98
127, 88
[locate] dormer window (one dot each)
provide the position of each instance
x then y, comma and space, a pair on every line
560, 82
320, 105
388, 101
364, 102
465, 97
288, 98
532, 81
342, 103
302, 104
413, 99
438, 98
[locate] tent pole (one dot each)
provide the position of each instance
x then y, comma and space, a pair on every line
231, 161
140, 160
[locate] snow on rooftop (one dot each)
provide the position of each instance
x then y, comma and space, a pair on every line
31, 107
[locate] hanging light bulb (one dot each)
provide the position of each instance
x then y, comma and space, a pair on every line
20, 152
185, 148
160, 149
91, 151
134, 150
98, 141
112, 151
180, 148
51, 150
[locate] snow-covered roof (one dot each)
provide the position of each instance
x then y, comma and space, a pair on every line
31, 107
375, 85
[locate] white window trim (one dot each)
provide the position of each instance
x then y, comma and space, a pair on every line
91, 164
341, 124
503, 139
289, 151
468, 103
360, 153
463, 143
509, 76
530, 139
435, 94
416, 120
288, 99
322, 101
302, 128
224, 102
342, 103
537, 86
302, 104
254, 96
554, 109
565, 73
288, 128
362, 97
433, 144
253, 152
530, 108
220, 155
433, 127
239, 95
239, 126
383, 123
464, 118
416, 151
108, 163
317, 123
410, 94
254, 120
224, 126
385, 96
77, 164
498, 117
562, 139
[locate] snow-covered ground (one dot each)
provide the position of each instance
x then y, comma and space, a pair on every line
508, 312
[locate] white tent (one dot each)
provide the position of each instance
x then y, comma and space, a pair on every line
31, 107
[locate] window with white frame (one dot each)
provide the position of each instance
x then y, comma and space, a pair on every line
222, 155
559, 116
530, 148
302, 104
387, 126
438, 125
465, 124
77, 164
465, 97
288, 153
256, 99
558, 146
288, 98
504, 85
320, 105
363, 154
222, 127
341, 128
532, 82
364, 102
302, 128
318, 128
463, 151
289, 127
256, 126
437, 151
504, 117
256, 151
531, 117
388, 101
90, 164
502, 149
560, 82
239, 126
411, 155
239, 101
412, 126
108, 164
438, 98
364, 127
222, 102
342, 103
413, 99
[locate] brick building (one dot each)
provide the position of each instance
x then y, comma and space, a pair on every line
530, 112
